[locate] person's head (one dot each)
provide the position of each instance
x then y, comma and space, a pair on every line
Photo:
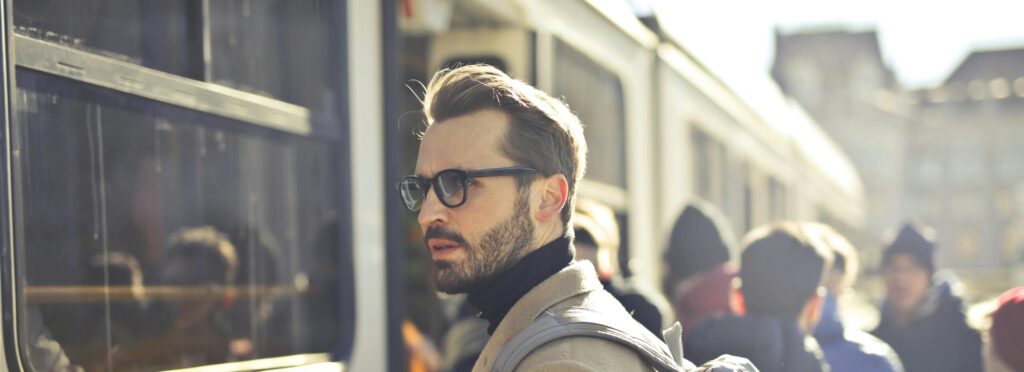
701, 239
199, 256
597, 236
907, 268
1006, 336
845, 264
496, 174
117, 269
781, 274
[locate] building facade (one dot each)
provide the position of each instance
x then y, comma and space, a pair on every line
951, 156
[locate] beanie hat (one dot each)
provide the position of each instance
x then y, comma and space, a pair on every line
700, 240
915, 240
1007, 331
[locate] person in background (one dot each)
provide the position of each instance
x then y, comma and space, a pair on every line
1004, 351
778, 303
699, 275
597, 241
922, 320
845, 349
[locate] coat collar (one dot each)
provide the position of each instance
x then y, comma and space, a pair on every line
578, 278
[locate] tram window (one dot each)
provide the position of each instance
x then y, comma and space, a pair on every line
154, 237
277, 48
495, 61
164, 35
777, 201
708, 161
595, 95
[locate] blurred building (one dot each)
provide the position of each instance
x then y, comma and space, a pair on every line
951, 156
965, 158
843, 82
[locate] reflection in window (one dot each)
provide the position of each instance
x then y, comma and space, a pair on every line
595, 95
277, 48
156, 237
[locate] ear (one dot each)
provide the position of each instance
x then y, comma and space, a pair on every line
553, 195
811, 313
736, 300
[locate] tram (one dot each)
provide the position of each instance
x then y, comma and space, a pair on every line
205, 185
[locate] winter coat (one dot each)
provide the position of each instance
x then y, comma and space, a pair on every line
851, 350
773, 345
574, 286
937, 338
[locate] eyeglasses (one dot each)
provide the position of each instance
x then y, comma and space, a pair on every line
449, 185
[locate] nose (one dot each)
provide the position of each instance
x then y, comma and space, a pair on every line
432, 211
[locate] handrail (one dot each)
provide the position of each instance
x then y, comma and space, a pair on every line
49, 294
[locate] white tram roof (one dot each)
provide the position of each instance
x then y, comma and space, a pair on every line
762, 96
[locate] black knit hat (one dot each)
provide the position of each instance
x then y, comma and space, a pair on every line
915, 240
700, 240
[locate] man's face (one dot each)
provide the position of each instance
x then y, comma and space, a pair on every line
471, 243
906, 283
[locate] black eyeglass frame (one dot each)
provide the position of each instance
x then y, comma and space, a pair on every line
466, 175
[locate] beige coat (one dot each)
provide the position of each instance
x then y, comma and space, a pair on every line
576, 285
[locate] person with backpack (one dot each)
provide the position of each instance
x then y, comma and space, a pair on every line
778, 303
494, 188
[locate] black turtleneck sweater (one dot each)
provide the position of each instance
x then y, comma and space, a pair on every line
496, 298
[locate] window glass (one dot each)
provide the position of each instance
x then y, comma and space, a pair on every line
595, 95
154, 237
701, 148
277, 48
777, 201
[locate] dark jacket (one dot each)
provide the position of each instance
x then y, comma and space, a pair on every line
937, 338
772, 345
647, 306
850, 350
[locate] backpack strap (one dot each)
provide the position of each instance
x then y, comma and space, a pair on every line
582, 322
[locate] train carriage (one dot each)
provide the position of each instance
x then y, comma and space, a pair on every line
269, 133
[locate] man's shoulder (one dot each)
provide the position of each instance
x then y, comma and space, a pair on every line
583, 354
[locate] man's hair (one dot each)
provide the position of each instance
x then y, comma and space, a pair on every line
780, 270
211, 255
845, 258
542, 133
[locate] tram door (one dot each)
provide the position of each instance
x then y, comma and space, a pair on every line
175, 177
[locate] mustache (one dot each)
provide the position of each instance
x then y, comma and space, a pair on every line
437, 232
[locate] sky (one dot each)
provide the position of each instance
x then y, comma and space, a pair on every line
922, 40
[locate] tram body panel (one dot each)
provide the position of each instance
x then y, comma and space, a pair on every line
367, 158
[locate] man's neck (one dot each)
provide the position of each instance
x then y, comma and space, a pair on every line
496, 298
546, 233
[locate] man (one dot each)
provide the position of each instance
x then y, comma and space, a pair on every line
495, 184
1006, 334
923, 321
846, 349
699, 276
597, 241
779, 300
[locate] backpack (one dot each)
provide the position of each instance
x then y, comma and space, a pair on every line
578, 321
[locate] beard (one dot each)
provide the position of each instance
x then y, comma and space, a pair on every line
500, 248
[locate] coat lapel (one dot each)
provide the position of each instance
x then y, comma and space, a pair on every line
576, 279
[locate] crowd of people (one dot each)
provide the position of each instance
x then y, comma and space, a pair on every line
539, 273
